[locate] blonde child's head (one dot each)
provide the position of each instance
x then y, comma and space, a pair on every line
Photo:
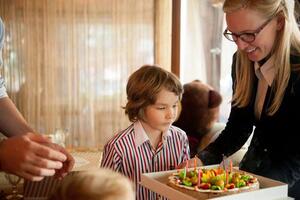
101, 184
144, 85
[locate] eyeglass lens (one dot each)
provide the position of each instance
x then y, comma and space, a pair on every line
246, 37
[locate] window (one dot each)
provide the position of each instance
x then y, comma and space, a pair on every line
205, 55
66, 63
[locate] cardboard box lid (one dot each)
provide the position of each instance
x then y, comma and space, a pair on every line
158, 182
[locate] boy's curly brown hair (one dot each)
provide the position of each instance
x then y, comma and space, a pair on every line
144, 85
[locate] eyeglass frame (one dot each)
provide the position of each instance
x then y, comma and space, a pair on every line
254, 33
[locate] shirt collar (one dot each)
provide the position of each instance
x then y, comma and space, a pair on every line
266, 71
142, 137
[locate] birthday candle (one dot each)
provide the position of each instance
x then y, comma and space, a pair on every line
184, 172
230, 166
187, 164
226, 176
195, 163
223, 161
199, 177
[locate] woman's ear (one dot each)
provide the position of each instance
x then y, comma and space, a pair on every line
280, 22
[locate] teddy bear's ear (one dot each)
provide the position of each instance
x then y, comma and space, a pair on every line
214, 98
197, 81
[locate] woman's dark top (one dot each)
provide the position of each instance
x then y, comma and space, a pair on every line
274, 151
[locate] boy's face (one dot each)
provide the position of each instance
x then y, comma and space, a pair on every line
159, 116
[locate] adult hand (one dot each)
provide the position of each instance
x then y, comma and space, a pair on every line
68, 164
28, 156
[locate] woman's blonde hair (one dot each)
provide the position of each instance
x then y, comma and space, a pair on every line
144, 85
100, 184
288, 43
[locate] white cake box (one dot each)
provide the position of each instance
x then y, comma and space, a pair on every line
158, 182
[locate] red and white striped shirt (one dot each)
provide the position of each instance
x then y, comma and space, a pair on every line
131, 154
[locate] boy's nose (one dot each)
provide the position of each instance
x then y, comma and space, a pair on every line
170, 114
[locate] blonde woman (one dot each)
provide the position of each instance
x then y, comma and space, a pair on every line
266, 90
101, 184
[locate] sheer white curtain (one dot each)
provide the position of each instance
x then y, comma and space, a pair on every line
201, 41
193, 61
66, 63
228, 49
205, 53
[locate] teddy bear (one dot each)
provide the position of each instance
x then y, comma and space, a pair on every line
199, 113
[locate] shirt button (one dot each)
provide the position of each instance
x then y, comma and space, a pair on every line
265, 150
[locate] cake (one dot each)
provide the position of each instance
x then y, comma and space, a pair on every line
215, 180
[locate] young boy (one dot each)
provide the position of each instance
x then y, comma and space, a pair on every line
151, 143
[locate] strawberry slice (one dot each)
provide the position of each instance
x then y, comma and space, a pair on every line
205, 186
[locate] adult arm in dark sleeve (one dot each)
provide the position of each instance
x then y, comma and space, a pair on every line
233, 137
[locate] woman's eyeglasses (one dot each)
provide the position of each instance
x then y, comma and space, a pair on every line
246, 36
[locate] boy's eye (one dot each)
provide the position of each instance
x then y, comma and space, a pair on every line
175, 105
